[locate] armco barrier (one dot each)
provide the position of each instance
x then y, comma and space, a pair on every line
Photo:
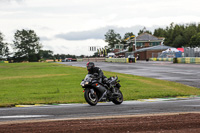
98, 59
79, 60
122, 60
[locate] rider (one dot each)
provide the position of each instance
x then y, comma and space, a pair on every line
102, 79
92, 69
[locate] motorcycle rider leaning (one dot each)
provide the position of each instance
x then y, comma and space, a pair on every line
102, 79
92, 69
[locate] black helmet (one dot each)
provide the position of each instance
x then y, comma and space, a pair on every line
90, 66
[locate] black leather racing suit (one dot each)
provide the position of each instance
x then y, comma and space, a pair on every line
99, 72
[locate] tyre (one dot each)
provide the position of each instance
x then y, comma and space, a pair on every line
90, 98
119, 99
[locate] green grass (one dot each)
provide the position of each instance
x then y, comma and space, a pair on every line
48, 83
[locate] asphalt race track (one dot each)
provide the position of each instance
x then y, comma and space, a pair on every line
68, 111
188, 74
184, 73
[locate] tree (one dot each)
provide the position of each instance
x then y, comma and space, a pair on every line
4, 50
178, 35
198, 28
27, 45
130, 49
95, 54
46, 54
126, 40
160, 32
112, 38
144, 31
178, 30
128, 35
178, 41
195, 40
169, 35
188, 33
81, 56
63, 56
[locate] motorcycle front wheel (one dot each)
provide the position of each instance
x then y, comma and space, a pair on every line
119, 99
90, 98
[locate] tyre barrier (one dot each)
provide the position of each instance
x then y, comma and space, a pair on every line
161, 59
187, 60
164, 59
4, 61
152, 59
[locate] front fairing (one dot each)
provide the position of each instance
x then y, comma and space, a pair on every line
88, 81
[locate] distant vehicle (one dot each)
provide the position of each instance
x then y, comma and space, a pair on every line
70, 59
111, 55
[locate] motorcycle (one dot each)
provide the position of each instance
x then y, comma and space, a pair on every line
95, 92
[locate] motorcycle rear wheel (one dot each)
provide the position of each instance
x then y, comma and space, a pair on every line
119, 99
90, 98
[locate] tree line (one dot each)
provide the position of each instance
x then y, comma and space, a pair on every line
27, 47
180, 35
176, 35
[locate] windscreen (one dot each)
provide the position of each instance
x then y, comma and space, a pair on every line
87, 77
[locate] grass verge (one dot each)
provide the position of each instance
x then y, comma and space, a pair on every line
49, 83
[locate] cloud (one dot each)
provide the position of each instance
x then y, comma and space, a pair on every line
79, 24
60, 46
44, 38
4, 4
9, 1
100, 32
82, 35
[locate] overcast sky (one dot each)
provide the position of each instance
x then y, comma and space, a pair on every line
71, 26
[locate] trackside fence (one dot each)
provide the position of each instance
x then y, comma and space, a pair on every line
122, 60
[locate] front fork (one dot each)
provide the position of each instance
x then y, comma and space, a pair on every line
92, 92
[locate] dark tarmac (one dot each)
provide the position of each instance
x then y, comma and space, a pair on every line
188, 74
